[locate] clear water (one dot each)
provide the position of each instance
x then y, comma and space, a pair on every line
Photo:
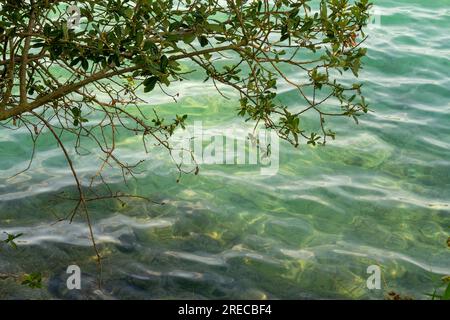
379, 194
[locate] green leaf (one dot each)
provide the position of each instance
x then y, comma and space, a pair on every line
307, 25
188, 38
323, 11
163, 64
215, 27
33, 280
446, 295
149, 84
75, 61
84, 64
150, 47
203, 41
285, 36
139, 38
38, 45
76, 112
11, 238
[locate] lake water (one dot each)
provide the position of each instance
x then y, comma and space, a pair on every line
377, 195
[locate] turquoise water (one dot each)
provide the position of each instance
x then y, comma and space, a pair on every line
378, 194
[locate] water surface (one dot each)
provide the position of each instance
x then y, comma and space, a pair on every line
379, 194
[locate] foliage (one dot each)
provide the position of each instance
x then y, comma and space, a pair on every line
32, 280
88, 81
442, 293
61, 71
10, 240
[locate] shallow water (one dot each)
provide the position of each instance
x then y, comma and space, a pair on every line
378, 194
